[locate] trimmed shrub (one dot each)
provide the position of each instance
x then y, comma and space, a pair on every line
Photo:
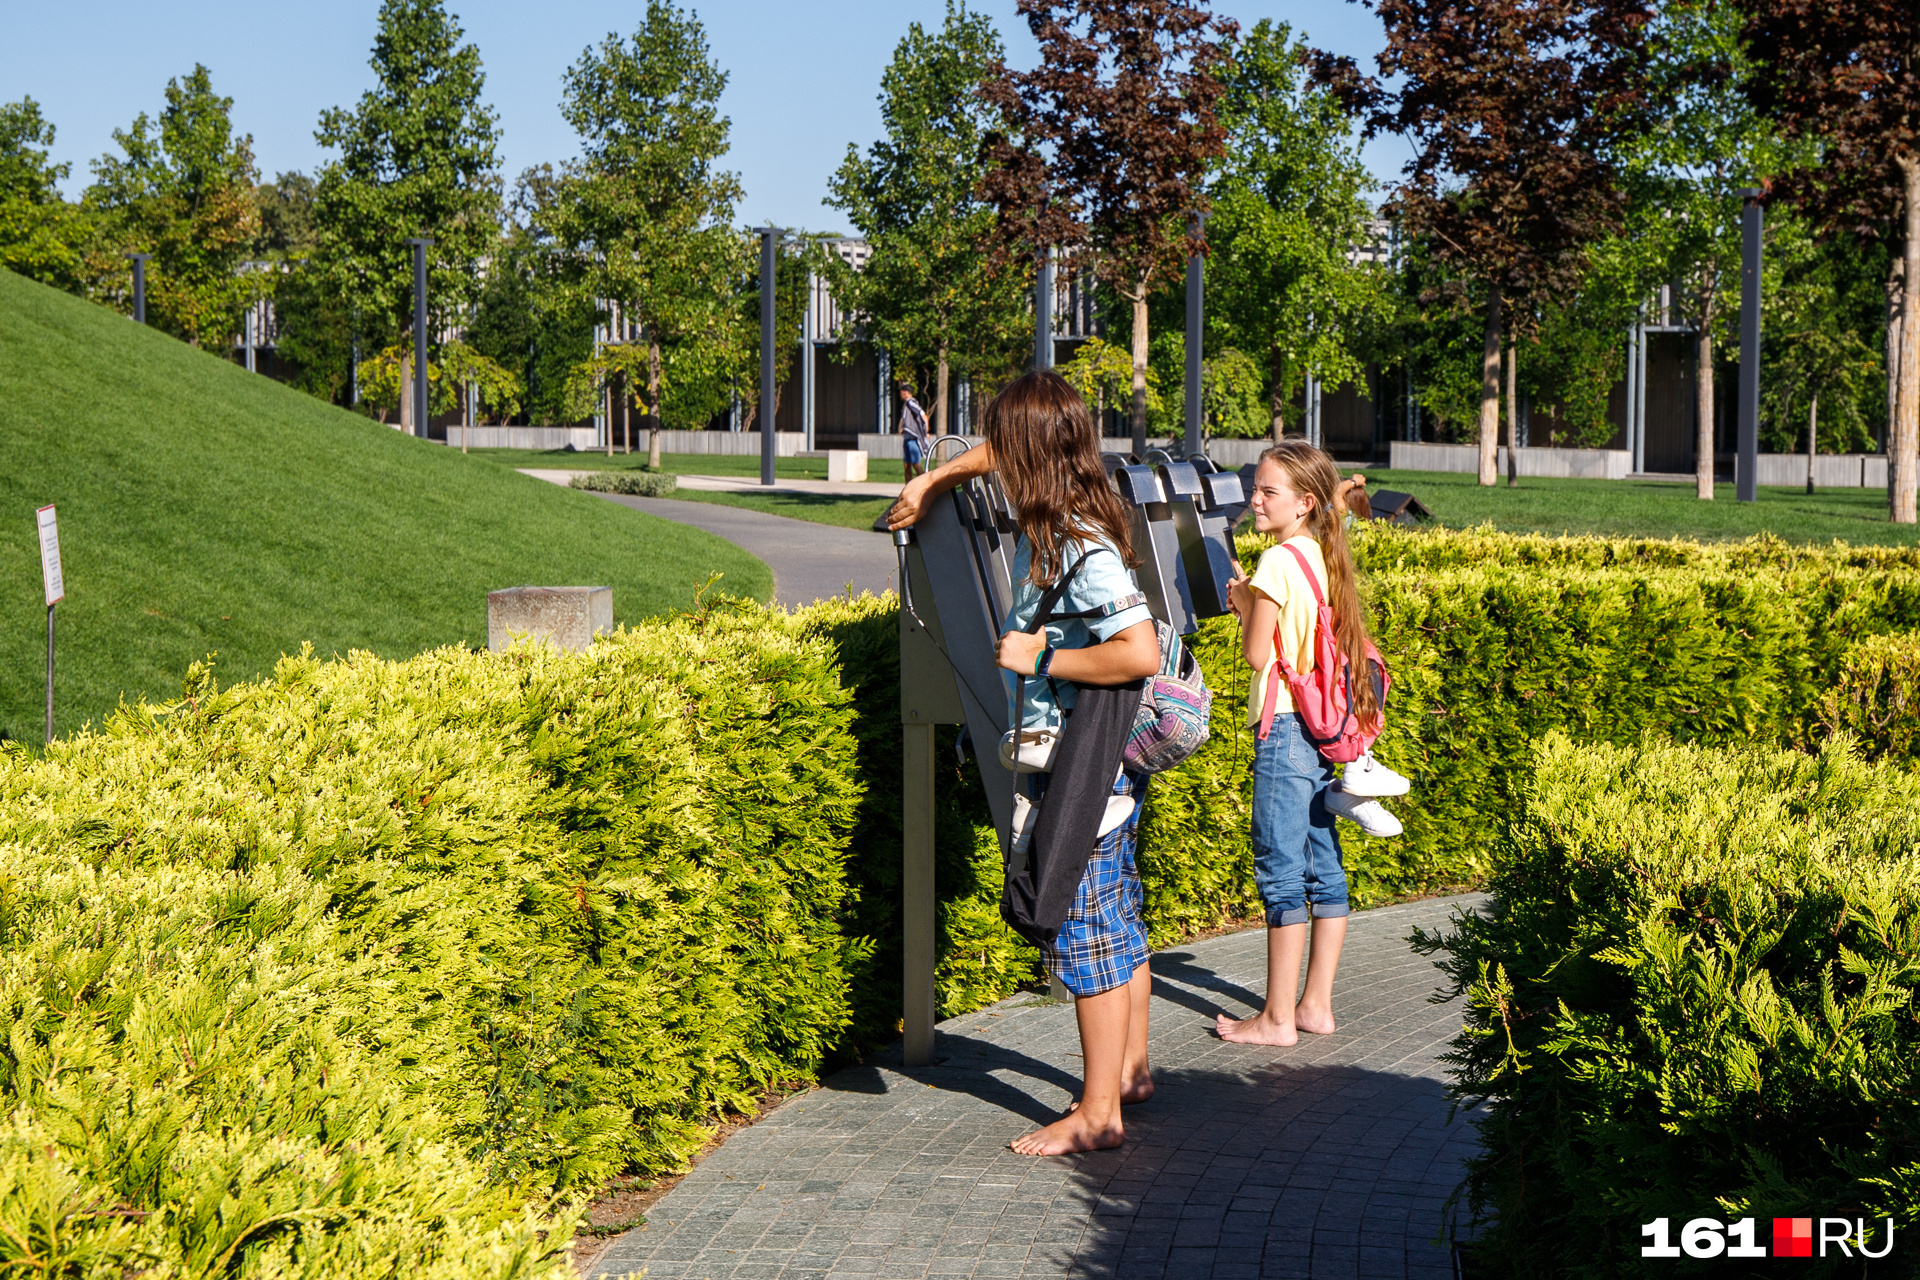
1692, 996
1876, 698
385, 948
639, 484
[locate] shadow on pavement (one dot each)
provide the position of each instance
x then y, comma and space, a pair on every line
1307, 1170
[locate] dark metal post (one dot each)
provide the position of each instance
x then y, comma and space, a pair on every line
1043, 314
139, 286
420, 335
1747, 477
1196, 354
769, 244
49, 673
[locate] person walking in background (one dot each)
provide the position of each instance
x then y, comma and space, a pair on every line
1296, 850
913, 431
1075, 548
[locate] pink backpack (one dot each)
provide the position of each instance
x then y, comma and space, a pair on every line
1322, 698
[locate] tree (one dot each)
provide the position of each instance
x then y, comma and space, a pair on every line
41, 235
641, 222
184, 193
1845, 76
1103, 149
416, 158
286, 217
1289, 208
1517, 102
1703, 145
932, 291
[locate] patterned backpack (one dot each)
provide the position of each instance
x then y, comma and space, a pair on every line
1172, 721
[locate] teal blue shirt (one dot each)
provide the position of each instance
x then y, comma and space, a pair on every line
1104, 584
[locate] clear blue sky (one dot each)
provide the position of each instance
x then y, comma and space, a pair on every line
803, 75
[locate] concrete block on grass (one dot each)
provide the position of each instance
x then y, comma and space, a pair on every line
846, 465
565, 617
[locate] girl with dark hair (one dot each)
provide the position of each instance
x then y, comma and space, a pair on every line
1042, 442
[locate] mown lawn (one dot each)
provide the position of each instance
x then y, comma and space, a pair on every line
203, 509
1649, 509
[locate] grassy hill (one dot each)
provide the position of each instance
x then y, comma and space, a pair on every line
206, 509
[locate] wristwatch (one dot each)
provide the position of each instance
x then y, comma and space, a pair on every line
1041, 667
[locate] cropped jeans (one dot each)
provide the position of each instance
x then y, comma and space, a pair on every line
1296, 852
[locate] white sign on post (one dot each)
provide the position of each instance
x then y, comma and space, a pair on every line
50, 557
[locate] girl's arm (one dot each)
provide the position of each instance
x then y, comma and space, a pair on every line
1259, 616
923, 488
1132, 655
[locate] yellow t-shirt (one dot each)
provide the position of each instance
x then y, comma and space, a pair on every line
1278, 578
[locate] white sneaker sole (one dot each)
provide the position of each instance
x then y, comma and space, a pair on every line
1368, 814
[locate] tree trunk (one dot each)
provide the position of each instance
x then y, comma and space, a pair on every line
466, 415
1139, 408
653, 402
1813, 435
606, 401
1277, 398
1907, 430
941, 427
1703, 406
406, 393
626, 417
1896, 281
1513, 413
1896, 275
1490, 392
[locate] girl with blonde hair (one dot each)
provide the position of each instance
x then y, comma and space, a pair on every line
1296, 850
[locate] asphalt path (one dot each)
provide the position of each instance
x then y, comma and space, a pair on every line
809, 561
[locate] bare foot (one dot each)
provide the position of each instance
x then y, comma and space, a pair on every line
1136, 1090
1068, 1134
1311, 1018
1259, 1029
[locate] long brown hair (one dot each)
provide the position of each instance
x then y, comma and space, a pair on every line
1047, 453
1310, 470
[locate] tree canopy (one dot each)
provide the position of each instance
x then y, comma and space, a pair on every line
933, 291
181, 190
416, 157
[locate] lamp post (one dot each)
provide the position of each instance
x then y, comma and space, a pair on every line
1196, 354
1746, 488
139, 261
420, 244
769, 245
1043, 314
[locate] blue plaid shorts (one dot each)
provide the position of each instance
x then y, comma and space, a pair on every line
1103, 940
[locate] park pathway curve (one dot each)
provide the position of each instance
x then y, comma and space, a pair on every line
809, 561
1331, 1159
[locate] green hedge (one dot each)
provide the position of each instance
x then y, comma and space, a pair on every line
356, 959
1876, 698
526, 920
1693, 996
644, 484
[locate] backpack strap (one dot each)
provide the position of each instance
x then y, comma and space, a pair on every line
1280, 664
1307, 573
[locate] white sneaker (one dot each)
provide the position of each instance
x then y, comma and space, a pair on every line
1368, 777
1369, 814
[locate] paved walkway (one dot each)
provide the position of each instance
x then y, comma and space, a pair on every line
809, 561
1333, 1158
748, 484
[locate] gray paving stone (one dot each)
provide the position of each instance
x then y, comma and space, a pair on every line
1334, 1158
